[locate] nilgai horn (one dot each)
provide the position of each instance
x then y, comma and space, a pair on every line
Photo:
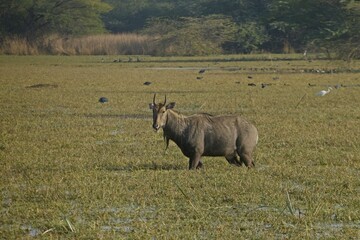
205, 135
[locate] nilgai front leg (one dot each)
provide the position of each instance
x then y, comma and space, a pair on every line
195, 162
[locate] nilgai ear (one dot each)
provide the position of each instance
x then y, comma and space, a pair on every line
151, 105
170, 105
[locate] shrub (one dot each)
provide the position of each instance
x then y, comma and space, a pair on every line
190, 36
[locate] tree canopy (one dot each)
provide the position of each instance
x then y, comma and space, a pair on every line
36, 18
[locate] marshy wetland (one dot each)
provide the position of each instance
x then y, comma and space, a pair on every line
72, 167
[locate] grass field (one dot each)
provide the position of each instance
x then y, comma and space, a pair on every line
73, 168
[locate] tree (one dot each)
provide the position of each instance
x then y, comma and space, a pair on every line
131, 15
294, 23
191, 36
248, 37
344, 41
35, 18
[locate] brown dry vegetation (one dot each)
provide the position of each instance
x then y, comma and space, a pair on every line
105, 44
74, 168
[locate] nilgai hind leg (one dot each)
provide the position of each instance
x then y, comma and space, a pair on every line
232, 159
246, 158
244, 150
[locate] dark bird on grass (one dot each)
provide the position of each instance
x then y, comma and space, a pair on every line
199, 78
103, 100
250, 77
252, 84
264, 85
115, 60
147, 83
311, 85
202, 71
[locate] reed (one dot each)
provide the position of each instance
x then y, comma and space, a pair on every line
18, 46
105, 44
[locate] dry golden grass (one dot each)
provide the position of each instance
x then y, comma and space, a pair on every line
105, 44
18, 46
72, 167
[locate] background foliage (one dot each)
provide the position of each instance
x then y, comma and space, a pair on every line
191, 36
195, 27
36, 18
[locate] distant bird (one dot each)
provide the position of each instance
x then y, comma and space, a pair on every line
264, 85
250, 77
147, 83
103, 100
252, 84
199, 78
311, 85
305, 53
337, 86
323, 92
202, 71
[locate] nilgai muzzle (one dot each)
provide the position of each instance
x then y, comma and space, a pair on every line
205, 135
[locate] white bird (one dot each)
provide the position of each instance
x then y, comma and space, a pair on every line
323, 92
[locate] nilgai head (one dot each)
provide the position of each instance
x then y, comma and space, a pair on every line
160, 112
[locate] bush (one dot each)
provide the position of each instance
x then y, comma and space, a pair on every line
191, 36
248, 38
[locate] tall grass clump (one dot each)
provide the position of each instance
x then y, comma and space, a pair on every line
18, 46
105, 44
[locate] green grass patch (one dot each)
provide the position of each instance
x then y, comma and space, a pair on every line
72, 167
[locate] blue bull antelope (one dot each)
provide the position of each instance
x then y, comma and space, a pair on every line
205, 135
